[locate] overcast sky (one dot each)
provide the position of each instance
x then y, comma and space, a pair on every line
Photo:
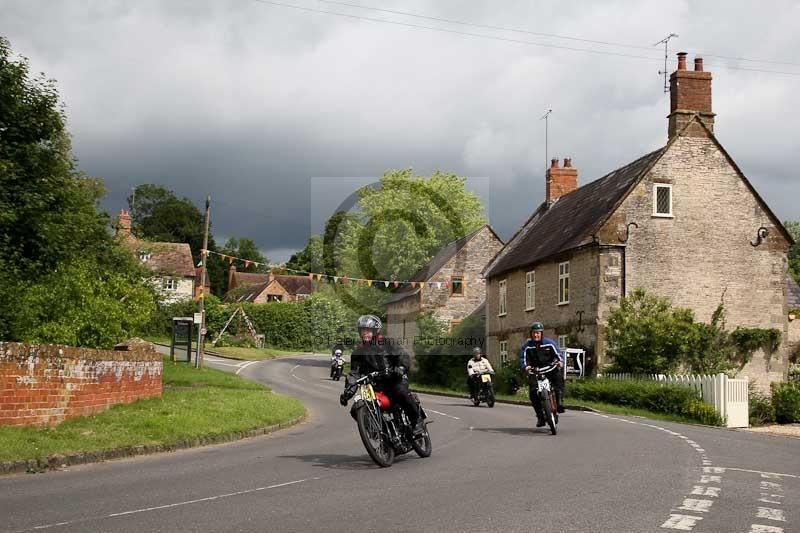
256, 103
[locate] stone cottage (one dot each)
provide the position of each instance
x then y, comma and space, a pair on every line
450, 285
175, 276
681, 222
262, 288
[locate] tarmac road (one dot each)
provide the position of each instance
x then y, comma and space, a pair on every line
490, 470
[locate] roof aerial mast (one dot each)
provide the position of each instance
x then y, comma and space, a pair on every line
665, 42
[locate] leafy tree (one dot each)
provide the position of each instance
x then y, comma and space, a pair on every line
645, 335
62, 277
794, 251
246, 249
309, 259
712, 350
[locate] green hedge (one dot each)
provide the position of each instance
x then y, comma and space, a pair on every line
657, 397
786, 401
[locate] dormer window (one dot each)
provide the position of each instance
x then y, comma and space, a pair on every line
144, 256
662, 200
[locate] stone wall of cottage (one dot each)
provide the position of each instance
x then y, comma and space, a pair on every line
576, 319
703, 255
46, 384
183, 291
401, 319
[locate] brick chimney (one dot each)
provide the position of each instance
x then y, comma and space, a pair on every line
231, 277
690, 94
123, 227
560, 180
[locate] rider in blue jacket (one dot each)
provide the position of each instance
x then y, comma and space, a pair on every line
537, 352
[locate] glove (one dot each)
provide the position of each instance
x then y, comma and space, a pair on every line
400, 370
343, 399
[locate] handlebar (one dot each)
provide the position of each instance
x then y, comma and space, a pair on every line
370, 377
543, 370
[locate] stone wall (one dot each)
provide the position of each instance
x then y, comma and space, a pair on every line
46, 384
577, 318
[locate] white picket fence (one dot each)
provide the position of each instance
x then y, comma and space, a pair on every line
728, 396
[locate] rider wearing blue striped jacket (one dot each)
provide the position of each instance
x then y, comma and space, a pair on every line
538, 352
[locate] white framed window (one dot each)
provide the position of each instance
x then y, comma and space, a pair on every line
303, 296
662, 200
562, 341
501, 304
144, 256
563, 283
530, 290
169, 284
503, 352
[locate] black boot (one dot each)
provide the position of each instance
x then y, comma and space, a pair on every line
540, 420
560, 401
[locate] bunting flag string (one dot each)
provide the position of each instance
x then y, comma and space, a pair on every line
321, 277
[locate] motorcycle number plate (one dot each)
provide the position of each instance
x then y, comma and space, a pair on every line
367, 393
486, 378
340, 362
544, 385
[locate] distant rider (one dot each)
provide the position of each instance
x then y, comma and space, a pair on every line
335, 356
374, 354
475, 367
539, 352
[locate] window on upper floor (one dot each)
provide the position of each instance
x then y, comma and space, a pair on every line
501, 303
144, 256
503, 352
457, 285
563, 283
169, 284
530, 290
454, 324
662, 200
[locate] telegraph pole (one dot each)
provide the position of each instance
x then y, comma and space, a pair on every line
198, 360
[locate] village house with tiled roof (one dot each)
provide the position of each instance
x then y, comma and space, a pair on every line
171, 262
452, 286
682, 222
262, 288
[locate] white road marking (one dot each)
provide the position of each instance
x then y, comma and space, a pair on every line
696, 506
765, 498
177, 504
757, 528
710, 479
700, 490
443, 414
214, 362
771, 514
770, 475
245, 365
769, 485
682, 522
291, 372
713, 470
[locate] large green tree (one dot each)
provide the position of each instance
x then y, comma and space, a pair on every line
62, 277
246, 249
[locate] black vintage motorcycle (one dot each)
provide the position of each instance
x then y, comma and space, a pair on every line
485, 390
384, 428
546, 396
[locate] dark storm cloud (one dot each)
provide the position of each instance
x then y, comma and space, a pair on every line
250, 102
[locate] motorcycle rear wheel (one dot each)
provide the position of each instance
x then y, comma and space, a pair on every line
370, 431
422, 444
548, 411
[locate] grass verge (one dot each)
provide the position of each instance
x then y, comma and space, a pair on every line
196, 403
251, 354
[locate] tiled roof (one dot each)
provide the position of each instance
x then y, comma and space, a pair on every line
249, 278
570, 221
293, 284
167, 257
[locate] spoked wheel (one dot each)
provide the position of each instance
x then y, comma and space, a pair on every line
548, 412
369, 428
422, 444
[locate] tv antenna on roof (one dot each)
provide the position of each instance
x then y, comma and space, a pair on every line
665, 42
546, 118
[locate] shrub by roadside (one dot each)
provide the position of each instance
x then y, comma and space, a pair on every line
786, 401
762, 411
196, 403
652, 396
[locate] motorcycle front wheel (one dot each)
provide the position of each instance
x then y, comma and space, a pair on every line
548, 411
369, 428
422, 444
490, 397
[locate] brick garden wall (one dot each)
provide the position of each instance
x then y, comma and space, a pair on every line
46, 384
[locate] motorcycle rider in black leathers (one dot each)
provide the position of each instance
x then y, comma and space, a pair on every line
540, 352
376, 354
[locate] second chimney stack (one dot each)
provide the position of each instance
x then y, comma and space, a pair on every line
560, 180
